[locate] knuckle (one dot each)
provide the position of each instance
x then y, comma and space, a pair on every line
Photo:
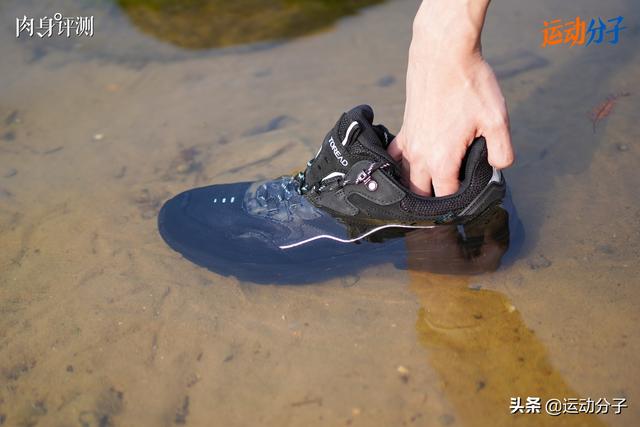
417, 156
502, 160
499, 122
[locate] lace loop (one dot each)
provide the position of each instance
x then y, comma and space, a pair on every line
364, 177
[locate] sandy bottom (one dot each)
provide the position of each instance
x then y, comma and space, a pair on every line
102, 324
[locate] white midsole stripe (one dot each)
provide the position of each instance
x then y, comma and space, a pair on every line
338, 239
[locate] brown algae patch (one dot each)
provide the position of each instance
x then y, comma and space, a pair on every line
485, 354
202, 24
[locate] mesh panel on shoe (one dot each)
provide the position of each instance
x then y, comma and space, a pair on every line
480, 177
363, 153
342, 126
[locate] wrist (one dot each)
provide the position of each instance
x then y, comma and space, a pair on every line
451, 26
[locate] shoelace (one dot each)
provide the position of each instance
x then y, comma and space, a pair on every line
364, 177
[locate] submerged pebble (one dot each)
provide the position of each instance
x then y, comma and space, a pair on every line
9, 136
446, 419
148, 203
276, 123
5, 194
10, 173
262, 73
53, 150
404, 373
186, 162
606, 249
386, 81
539, 262
182, 412
184, 168
121, 173
12, 118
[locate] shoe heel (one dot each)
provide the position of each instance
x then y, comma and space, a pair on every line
492, 194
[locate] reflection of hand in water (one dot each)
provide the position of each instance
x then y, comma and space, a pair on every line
475, 247
476, 339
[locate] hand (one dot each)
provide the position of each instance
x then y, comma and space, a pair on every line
453, 96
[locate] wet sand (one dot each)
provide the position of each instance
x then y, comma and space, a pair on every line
102, 324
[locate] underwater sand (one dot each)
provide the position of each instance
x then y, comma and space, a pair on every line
101, 324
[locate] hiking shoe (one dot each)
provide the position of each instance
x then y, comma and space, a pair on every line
348, 201
353, 176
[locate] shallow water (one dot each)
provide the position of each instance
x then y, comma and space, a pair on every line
102, 324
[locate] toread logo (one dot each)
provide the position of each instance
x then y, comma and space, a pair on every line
337, 153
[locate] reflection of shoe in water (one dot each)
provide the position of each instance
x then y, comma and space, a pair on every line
331, 217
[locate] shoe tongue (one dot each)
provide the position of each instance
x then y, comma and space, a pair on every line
353, 138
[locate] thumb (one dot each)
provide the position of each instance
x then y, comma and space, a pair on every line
499, 146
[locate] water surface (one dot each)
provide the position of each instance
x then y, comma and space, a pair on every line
102, 324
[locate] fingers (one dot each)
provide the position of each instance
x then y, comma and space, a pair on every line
420, 180
445, 170
406, 172
396, 152
395, 149
499, 146
446, 182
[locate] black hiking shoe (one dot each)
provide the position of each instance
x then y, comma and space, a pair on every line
347, 201
353, 176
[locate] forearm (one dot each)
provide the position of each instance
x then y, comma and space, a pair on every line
453, 26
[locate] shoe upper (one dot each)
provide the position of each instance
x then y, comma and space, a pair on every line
352, 175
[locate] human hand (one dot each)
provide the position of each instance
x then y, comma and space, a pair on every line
453, 97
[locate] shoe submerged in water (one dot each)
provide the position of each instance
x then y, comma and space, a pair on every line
345, 211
